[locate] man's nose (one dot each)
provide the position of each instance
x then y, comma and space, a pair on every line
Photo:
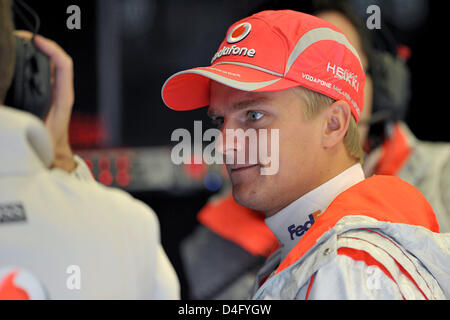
228, 144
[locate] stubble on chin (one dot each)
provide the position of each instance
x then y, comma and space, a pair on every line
250, 196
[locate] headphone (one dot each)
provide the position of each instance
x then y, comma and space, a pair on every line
391, 84
30, 89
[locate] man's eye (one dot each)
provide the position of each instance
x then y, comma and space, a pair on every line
255, 115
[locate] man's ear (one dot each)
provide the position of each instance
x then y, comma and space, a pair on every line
336, 123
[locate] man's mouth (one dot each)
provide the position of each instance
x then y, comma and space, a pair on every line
241, 167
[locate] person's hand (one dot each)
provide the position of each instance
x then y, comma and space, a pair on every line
57, 121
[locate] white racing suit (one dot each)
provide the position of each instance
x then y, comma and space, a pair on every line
426, 165
377, 240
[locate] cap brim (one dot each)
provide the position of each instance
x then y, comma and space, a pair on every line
189, 89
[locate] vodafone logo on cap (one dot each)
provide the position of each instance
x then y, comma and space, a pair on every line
239, 32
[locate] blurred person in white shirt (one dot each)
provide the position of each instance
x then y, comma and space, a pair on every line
62, 234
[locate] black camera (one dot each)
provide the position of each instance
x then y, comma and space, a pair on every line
30, 89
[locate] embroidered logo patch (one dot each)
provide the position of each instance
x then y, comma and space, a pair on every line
12, 212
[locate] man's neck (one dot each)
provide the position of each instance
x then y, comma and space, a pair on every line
325, 176
290, 224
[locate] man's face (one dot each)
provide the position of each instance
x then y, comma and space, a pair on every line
299, 145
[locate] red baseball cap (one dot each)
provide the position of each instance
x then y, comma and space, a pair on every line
273, 51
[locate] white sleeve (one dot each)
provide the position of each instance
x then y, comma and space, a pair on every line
346, 279
155, 275
167, 286
164, 283
369, 265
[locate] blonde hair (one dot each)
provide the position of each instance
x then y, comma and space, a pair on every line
315, 103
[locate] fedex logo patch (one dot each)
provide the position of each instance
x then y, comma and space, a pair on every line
301, 229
